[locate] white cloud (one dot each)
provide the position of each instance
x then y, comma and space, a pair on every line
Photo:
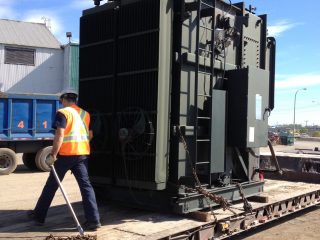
42, 16
282, 26
81, 4
307, 107
297, 81
5, 3
7, 10
75, 40
7, 13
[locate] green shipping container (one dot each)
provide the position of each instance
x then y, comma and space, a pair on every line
71, 66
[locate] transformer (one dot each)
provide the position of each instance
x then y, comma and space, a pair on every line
180, 93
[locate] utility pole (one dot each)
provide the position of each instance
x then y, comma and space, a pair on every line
294, 111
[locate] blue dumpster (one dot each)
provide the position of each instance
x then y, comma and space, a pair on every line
25, 127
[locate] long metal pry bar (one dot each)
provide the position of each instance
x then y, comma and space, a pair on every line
67, 201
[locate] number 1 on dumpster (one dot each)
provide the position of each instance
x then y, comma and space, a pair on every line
45, 124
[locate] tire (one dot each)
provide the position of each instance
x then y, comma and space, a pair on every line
29, 160
41, 157
8, 161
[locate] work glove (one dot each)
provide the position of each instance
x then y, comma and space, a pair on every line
50, 159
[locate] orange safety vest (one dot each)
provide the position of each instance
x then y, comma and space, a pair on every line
76, 133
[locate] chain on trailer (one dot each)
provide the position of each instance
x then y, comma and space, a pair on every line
213, 197
78, 237
246, 205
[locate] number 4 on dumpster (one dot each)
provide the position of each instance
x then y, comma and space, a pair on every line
21, 124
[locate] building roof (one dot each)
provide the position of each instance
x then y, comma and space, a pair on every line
26, 34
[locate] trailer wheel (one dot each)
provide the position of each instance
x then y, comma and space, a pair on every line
41, 157
8, 161
29, 160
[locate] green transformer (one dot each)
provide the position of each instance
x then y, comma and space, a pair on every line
180, 93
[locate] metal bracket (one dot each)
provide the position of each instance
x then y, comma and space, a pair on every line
187, 130
244, 20
241, 160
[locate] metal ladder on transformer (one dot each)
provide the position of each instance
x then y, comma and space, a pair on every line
203, 9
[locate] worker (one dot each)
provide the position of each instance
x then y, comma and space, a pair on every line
70, 151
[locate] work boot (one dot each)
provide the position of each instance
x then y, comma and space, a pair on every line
93, 226
32, 216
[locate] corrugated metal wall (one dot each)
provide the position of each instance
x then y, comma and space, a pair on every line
45, 77
124, 83
131, 82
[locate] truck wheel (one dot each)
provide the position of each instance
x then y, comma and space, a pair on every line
41, 157
29, 160
8, 161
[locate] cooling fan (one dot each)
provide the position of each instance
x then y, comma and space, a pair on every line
135, 133
100, 125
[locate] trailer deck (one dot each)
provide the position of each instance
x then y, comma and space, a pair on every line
21, 190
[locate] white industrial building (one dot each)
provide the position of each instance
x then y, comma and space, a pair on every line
32, 59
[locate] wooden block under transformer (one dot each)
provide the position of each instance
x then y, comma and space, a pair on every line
259, 198
202, 216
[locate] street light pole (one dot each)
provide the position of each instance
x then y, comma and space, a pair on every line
294, 111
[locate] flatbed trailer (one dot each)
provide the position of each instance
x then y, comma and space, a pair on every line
121, 222
296, 165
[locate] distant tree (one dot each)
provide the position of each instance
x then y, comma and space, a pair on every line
316, 134
303, 130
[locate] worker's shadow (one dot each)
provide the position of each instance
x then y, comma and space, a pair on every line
58, 220
15, 223
22, 169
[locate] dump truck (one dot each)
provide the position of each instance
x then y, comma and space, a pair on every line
179, 93
26, 127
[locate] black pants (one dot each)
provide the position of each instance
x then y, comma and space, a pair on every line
77, 164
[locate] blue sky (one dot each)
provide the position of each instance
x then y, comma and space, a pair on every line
295, 25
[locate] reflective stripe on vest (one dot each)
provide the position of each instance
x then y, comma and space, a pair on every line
83, 116
78, 131
76, 139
